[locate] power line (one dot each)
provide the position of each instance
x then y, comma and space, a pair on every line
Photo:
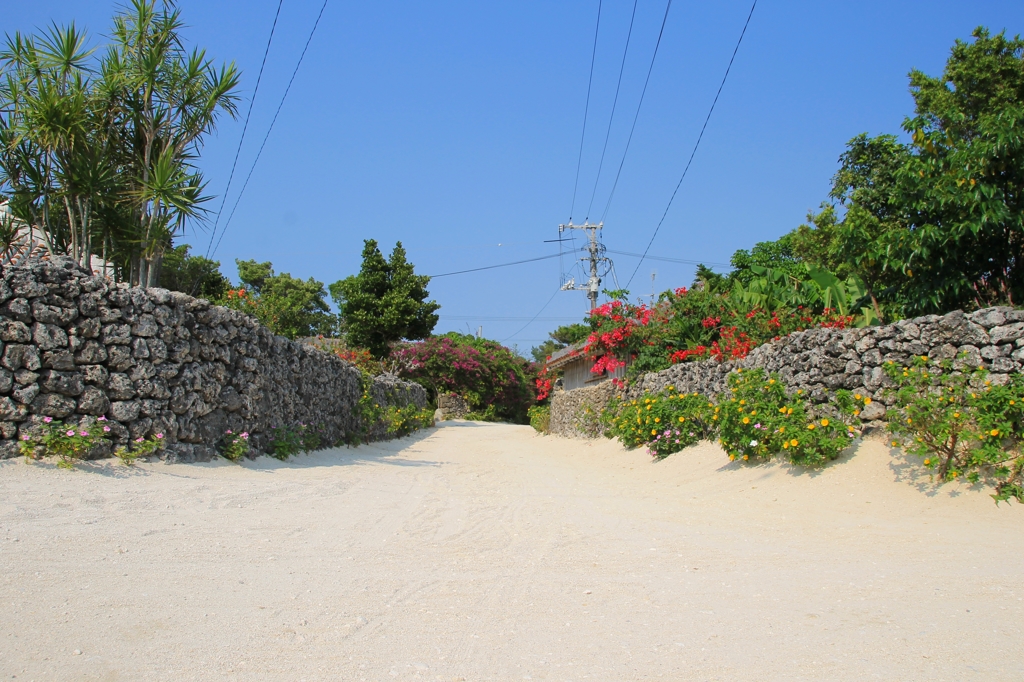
534, 317
487, 318
272, 122
586, 109
669, 260
245, 127
615, 184
697, 144
611, 117
492, 267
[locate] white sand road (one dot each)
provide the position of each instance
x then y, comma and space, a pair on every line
486, 552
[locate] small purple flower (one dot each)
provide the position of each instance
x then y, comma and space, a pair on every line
25, 437
106, 428
245, 434
83, 433
139, 439
159, 435
757, 426
228, 431
47, 419
71, 433
102, 419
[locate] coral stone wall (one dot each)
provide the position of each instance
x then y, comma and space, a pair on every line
74, 346
821, 360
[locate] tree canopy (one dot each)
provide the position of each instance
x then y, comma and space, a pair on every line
386, 302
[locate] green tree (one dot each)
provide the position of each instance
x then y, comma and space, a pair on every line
563, 336
286, 305
98, 149
193, 275
386, 302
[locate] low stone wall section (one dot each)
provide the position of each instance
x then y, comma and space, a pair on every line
74, 346
822, 360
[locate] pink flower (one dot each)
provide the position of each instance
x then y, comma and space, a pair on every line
102, 419
228, 431
83, 433
106, 428
71, 433
25, 437
47, 419
245, 434
159, 435
139, 439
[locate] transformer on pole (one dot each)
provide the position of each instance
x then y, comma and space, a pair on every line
599, 263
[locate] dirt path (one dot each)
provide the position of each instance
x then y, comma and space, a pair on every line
485, 552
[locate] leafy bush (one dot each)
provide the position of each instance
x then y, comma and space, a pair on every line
755, 420
497, 383
760, 420
140, 447
401, 421
234, 446
961, 424
286, 441
540, 418
284, 304
666, 422
66, 442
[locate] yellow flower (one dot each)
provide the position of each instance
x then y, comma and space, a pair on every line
867, 401
746, 420
987, 383
785, 446
782, 429
789, 411
715, 418
974, 395
753, 413
924, 358
712, 405
856, 396
895, 444
994, 432
732, 457
856, 412
1013, 402
956, 414
800, 392
810, 427
771, 381
648, 407
824, 422
657, 420
782, 410
743, 402
654, 431
909, 421
682, 419
927, 462
850, 429
671, 388
794, 442
746, 457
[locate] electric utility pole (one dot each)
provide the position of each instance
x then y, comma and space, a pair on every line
599, 264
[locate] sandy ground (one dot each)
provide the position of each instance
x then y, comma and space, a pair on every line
486, 552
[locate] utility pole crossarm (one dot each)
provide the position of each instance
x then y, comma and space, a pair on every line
595, 257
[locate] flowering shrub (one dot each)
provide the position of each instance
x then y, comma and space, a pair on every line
140, 447
759, 420
234, 446
666, 422
961, 424
540, 418
497, 383
401, 421
66, 442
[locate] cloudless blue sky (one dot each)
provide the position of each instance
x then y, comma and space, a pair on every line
455, 127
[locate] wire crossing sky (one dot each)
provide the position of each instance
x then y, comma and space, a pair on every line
443, 125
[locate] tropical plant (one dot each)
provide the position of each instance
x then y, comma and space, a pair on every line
284, 304
193, 275
98, 149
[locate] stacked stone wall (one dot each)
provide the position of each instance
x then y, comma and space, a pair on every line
74, 346
822, 360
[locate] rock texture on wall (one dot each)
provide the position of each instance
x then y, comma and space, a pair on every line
821, 360
74, 346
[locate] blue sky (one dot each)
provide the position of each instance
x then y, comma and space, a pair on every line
455, 127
